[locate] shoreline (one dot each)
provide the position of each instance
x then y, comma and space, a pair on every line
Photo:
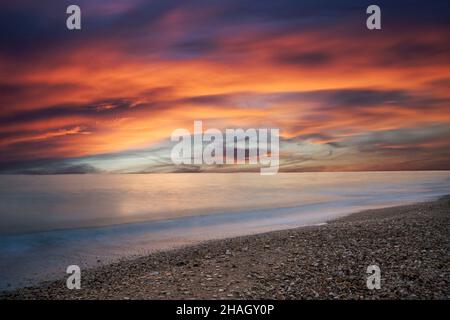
410, 244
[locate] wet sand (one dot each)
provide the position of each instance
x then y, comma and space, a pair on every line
410, 244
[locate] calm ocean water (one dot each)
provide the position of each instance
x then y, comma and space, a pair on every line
50, 222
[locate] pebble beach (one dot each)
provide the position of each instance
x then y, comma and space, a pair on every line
410, 244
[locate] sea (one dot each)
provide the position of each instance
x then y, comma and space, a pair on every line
48, 222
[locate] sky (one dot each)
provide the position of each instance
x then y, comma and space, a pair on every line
106, 98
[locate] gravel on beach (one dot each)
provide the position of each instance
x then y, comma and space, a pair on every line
410, 244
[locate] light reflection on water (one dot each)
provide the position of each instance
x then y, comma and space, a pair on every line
40, 203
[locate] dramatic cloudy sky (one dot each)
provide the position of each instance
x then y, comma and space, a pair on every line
106, 98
